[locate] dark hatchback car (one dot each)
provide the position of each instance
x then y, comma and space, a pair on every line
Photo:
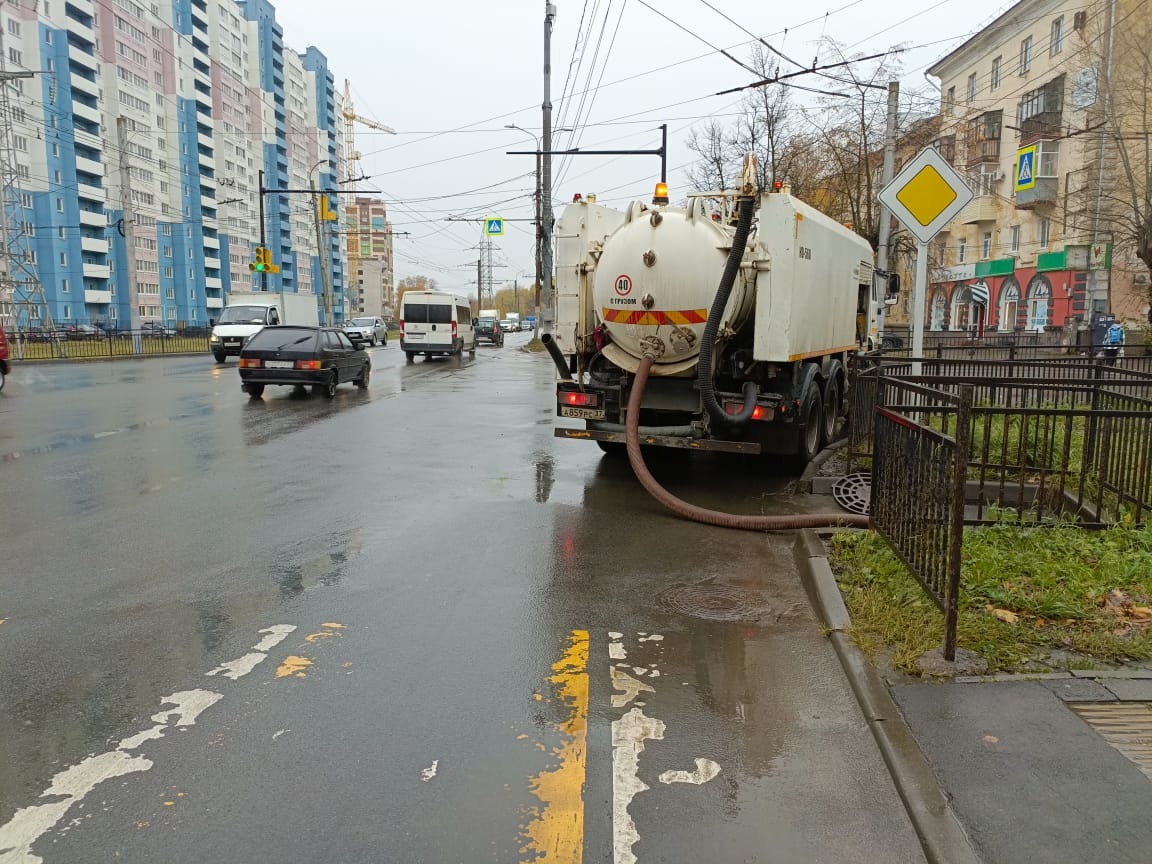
489, 328
298, 356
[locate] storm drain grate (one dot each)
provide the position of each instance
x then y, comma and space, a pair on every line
715, 603
854, 492
1127, 726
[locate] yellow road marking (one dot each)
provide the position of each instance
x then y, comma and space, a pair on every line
556, 832
293, 666
333, 626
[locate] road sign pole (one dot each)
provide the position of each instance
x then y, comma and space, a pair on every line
919, 303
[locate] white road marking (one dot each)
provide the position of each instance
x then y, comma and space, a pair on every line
429, 772
31, 823
239, 667
655, 637
628, 686
139, 738
277, 633
276, 735
640, 670
615, 635
616, 651
628, 736
706, 770
189, 705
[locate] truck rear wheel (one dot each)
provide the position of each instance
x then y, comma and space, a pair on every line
831, 409
811, 432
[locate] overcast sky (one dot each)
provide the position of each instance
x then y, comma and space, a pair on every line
449, 74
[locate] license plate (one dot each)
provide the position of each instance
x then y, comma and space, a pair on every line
231, 341
280, 364
582, 413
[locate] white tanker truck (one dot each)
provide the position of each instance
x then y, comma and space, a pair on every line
749, 321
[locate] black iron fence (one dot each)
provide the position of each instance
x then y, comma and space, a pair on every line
82, 343
976, 442
918, 480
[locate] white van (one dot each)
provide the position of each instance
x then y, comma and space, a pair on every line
435, 323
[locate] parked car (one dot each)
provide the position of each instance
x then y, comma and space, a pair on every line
108, 329
295, 356
525, 325
371, 330
78, 332
5, 368
489, 329
154, 328
508, 325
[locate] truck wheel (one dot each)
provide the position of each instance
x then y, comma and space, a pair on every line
220, 356
255, 391
831, 409
411, 355
812, 430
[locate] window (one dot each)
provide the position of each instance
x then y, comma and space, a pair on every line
971, 88
1025, 56
67, 311
1048, 153
13, 26
25, 199
963, 251
18, 114
112, 312
1014, 238
986, 245
16, 57
57, 177
170, 293
51, 65
1045, 232
20, 143
949, 100
996, 73
63, 259
22, 170
64, 286
60, 232
56, 150
167, 249
1056, 45
166, 230
168, 273
59, 205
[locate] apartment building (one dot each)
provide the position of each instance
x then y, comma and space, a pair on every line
167, 112
370, 239
1019, 101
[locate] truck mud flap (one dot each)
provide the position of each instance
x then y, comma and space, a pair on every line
661, 441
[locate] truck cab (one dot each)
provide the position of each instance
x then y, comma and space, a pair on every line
236, 324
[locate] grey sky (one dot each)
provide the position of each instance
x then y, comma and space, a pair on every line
426, 68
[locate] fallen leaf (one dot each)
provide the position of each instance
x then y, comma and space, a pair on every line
1142, 611
1004, 615
991, 739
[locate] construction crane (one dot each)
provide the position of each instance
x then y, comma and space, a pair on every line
352, 163
351, 118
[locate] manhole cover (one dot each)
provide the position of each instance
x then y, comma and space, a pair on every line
1127, 726
854, 492
715, 602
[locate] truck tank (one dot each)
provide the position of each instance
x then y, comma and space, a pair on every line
655, 282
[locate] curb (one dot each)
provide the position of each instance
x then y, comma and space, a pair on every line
51, 361
812, 469
941, 837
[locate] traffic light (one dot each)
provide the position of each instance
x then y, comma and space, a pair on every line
263, 262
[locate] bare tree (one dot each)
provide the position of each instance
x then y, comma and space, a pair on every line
717, 168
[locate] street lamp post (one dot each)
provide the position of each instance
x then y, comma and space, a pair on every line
322, 253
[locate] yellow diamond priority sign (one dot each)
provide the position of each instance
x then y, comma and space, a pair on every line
926, 195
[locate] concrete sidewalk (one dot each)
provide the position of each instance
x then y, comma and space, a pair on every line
1027, 767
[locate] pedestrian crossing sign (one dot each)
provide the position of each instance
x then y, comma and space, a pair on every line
494, 226
1026, 168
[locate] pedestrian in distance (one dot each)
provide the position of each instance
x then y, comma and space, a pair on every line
1113, 344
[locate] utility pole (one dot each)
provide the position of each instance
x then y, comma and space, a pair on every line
324, 254
539, 244
546, 174
263, 238
878, 297
479, 284
128, 206
516, 295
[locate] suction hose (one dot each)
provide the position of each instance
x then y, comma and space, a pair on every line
557, 356
705, 374
700, 514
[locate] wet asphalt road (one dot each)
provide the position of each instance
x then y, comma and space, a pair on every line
407, 625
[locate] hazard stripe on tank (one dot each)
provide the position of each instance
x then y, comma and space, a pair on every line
654, 317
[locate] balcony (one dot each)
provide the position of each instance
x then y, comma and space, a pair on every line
1045, 191
1045, 126
982, 208
211, 242
93, 244
80, 84
211, 263
212, 283
92, 115
93, 220
89, 166
82, 58
82, 29
95, 296
205, 140
97, 271
980, 152
92, 193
